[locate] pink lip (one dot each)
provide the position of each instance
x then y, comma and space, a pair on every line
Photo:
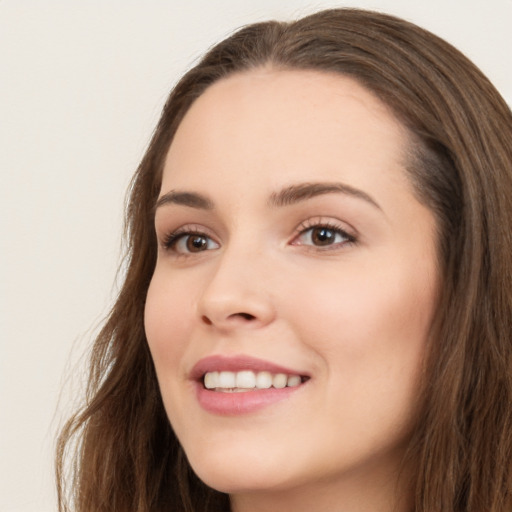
239, 403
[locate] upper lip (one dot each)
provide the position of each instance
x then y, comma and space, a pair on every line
238, 363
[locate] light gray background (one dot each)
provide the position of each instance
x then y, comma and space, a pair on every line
81, 87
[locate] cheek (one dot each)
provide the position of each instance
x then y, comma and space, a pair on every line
167, 323
166, 310
369, 326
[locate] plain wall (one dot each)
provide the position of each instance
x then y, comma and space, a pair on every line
81, 87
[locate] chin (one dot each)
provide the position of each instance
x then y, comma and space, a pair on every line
233, 474
234, 482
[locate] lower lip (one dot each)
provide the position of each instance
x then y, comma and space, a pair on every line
231, 404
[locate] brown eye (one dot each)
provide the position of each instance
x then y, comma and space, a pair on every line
196, 243
189, 243
323, 236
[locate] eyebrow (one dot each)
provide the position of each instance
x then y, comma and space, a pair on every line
191, 199
303, 191
285, 197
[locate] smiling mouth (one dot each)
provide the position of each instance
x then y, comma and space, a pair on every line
247, 380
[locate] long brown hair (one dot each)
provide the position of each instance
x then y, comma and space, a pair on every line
124, 455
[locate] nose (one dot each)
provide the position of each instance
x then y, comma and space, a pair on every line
238, 294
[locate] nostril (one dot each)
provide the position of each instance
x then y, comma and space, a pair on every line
206, 320
246, 316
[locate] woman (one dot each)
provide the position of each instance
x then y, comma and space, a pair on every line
317, 307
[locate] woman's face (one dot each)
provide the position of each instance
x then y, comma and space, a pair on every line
292, 252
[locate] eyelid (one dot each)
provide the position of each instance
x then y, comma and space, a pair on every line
172, 237
321, 222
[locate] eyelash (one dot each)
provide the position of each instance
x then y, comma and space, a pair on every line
171, 240
336, 229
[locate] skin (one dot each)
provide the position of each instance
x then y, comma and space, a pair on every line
354, 314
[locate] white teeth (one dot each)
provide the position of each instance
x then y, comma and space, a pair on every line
245, 379
227, 380
263, 380
211, 380
293, 381
279, 380
248, 380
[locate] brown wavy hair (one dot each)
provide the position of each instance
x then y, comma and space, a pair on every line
118, 453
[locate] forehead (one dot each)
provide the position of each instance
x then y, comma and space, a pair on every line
282, 126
